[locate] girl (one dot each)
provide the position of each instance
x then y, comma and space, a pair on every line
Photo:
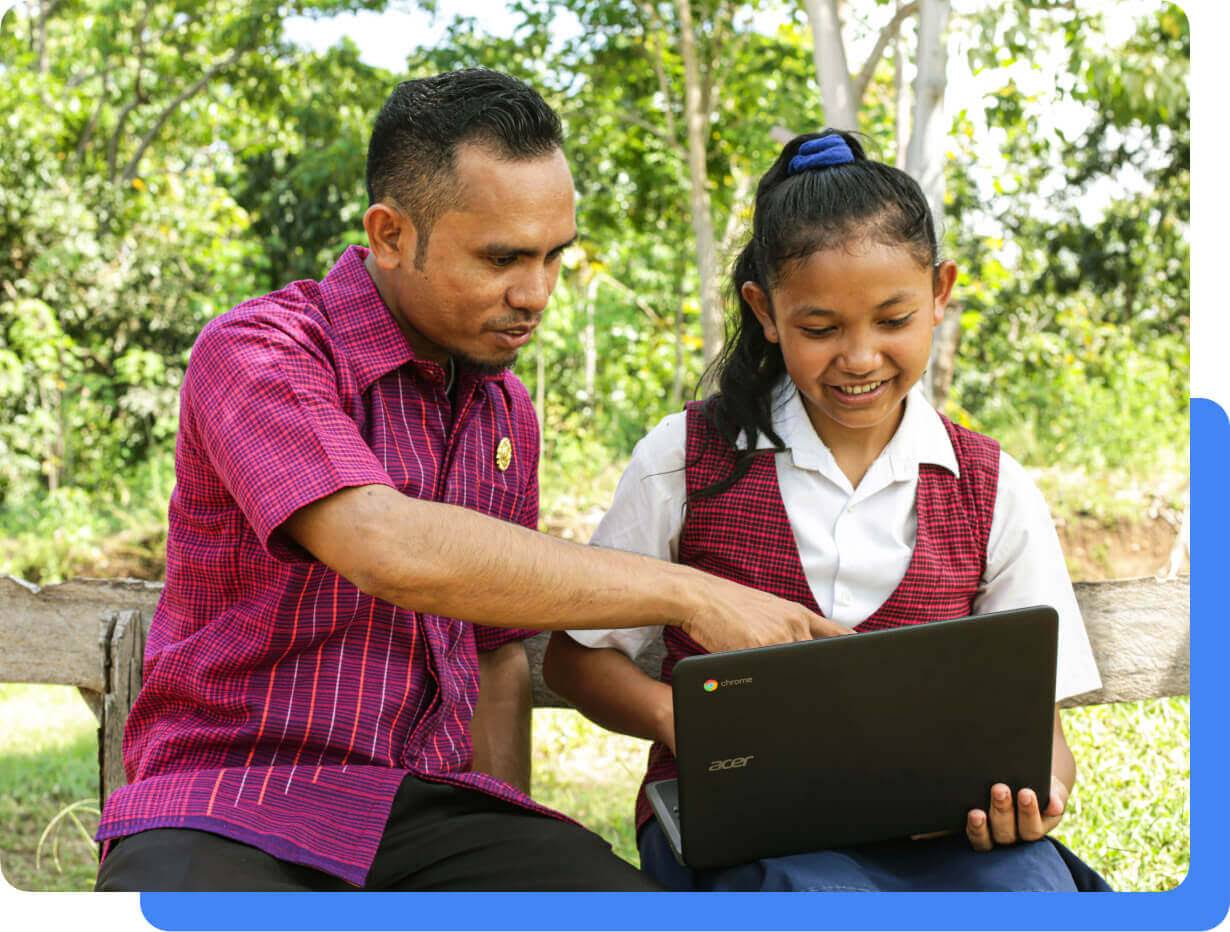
817, 471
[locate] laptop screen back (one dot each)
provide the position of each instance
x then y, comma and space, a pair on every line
852, 739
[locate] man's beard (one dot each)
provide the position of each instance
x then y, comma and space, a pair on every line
482, 366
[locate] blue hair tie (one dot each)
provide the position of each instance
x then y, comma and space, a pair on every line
820, 153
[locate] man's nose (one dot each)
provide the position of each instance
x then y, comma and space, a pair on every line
532, 290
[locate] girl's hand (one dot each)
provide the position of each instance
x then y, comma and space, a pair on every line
1009, 824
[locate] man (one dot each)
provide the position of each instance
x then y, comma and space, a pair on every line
345, 450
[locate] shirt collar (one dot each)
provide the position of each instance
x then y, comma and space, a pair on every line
362, 323
921, 437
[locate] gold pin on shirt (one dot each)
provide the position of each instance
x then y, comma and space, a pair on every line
503, 454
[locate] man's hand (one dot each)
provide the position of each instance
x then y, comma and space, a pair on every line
1010, 823
728, 616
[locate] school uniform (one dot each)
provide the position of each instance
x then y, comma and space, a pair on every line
943, 524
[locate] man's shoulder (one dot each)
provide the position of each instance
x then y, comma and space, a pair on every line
290, 322
296, 307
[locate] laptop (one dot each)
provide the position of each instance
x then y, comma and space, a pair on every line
844, 740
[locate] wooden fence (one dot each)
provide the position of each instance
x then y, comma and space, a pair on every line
90, 633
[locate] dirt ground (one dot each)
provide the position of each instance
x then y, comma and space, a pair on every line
1119, 551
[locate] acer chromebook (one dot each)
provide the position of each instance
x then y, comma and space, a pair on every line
844, 740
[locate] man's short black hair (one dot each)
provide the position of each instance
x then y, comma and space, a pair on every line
411, 158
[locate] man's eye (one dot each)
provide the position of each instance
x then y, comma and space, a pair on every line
502, 262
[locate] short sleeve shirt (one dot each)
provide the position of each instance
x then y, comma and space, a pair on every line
281, 706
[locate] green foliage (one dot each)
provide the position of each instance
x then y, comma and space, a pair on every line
161, 163
1076, 316
116, 529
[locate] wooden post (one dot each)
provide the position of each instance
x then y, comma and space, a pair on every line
124, 643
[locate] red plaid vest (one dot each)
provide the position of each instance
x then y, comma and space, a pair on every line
743, 534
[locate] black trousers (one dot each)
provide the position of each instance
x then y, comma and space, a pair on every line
438, 837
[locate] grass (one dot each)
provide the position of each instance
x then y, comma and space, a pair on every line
48, 761
1128, 818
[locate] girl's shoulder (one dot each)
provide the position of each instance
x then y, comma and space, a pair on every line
663, 449
975, 452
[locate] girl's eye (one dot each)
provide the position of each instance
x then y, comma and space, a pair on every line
896, 322
819, 331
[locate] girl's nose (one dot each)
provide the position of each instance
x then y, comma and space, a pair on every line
860, 356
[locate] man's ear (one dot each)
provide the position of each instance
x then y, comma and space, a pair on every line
758, 299
390, 234
945, 278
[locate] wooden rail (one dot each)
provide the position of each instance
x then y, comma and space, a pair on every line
90, 633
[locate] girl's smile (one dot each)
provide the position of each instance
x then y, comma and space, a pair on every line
857, 394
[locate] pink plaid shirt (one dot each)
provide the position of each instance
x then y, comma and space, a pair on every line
281, 706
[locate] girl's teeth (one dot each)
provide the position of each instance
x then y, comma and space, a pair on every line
862, 389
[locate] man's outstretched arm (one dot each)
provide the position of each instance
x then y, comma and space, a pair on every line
448, 560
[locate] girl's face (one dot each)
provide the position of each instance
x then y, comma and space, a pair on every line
854, 324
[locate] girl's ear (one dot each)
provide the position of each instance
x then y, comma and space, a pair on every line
945, 278
758, 301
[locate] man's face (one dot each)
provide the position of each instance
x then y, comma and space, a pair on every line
492, 260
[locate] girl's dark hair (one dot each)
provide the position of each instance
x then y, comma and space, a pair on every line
795, 216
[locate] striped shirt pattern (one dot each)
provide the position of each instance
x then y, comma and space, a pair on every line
281, 706
744, 534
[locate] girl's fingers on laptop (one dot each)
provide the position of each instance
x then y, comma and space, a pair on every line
1004, 823
1030, 824
1002, 815
977, 830
1036, 823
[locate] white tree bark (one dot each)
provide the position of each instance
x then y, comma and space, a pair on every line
712, 329
925, 154
901, 99
832, 70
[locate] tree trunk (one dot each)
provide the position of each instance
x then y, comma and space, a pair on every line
946, 341
698, 172
925, 155
832, 70
540, 398
901, 99
589, 340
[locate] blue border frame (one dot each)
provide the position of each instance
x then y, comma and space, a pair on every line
1200, 902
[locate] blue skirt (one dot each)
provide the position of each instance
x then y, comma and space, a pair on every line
939, 864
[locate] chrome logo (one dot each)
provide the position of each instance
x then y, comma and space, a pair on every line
710, 685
